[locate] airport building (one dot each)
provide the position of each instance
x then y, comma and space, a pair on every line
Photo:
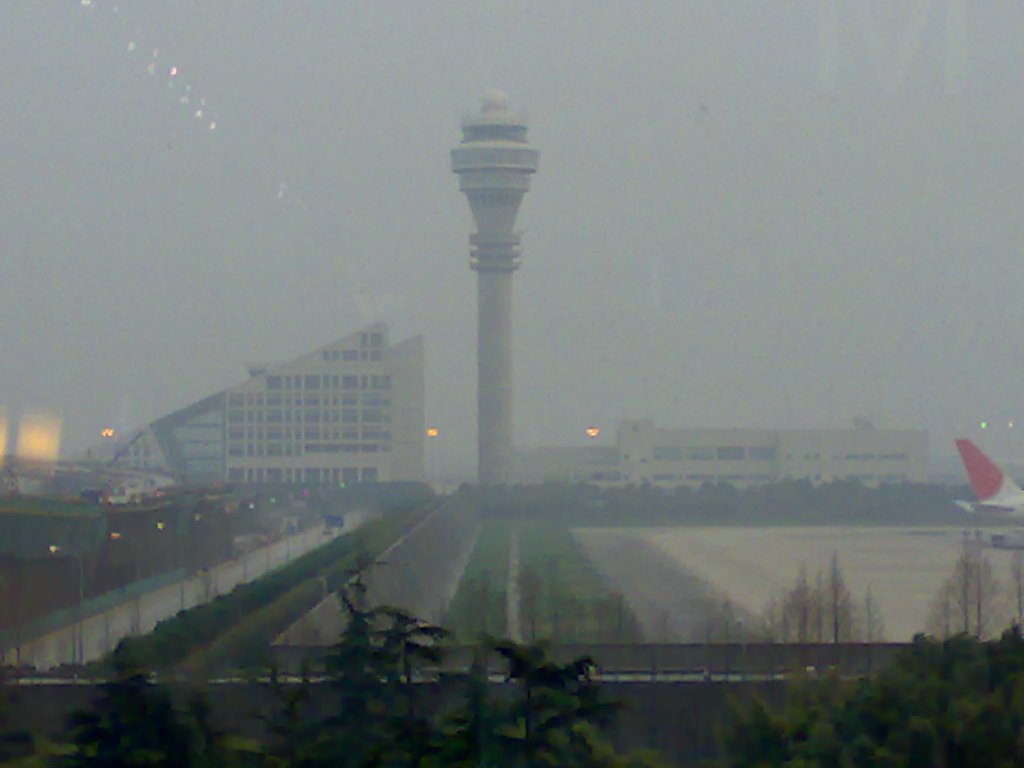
645, 453
348, 412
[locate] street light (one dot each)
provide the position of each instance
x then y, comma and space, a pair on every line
108, 433
80, 629
592, 432
432, 434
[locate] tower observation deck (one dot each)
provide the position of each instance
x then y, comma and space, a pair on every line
494, 163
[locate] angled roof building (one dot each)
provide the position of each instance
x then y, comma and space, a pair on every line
348, 412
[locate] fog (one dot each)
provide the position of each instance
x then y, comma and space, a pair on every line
747, 214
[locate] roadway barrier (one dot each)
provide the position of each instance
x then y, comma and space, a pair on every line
677, 661
72, 637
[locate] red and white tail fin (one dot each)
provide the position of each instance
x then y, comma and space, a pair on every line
991, 485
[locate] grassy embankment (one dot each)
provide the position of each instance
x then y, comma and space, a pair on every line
236, 629
479, 604
562, 596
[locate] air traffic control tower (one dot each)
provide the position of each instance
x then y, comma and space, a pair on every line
494, 163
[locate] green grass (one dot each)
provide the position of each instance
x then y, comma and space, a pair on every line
248, 617
562, 595
245, 644
479, 604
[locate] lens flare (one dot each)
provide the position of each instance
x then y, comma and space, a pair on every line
39, 436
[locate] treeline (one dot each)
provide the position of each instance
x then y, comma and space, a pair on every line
955, 703
794, 502
383, 706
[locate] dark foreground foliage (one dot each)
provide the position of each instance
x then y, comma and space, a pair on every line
958, 703
376, 716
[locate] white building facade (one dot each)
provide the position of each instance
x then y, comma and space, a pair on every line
645, 453
348, 412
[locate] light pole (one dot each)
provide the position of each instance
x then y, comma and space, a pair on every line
79, 628
432, 434
136, 560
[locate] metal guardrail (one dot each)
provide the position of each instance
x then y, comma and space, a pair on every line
667, 661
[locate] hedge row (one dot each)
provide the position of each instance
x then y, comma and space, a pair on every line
176, 638
245, 644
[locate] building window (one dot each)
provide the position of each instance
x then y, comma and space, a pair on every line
761, 453
860, 456
350, 475
382, 382
892, 456
312, 382
668, 453
368, 475
731, 453
350, 355
350, 382
701, 454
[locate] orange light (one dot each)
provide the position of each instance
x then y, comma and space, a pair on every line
107, 432
115, 535
433, 432
592, 432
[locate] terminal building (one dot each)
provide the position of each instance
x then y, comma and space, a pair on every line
349, 412
645, 453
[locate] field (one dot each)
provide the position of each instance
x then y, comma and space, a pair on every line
479, 604
903, 567
560, 593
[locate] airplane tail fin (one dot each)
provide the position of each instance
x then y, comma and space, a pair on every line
989, 482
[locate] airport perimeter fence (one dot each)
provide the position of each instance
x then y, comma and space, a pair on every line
673, 661
15, 636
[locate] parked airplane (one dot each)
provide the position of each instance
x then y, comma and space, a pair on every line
995, 490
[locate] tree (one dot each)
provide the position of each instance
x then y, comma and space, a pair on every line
954, 703
380, 655
840, 607
15, 743
874, 626
968, 601
553, 701
1017, 582
133, 723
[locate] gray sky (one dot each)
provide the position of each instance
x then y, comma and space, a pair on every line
746, 214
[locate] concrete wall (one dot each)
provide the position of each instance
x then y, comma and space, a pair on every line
98, 634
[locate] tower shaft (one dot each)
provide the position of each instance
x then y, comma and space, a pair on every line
494, 376
494, 163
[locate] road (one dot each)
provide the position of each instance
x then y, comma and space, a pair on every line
101, 632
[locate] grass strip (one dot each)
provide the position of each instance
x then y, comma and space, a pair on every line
246, 643
176, 638
479, 604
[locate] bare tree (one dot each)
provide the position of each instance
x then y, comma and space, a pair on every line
824, 611
798, 605
840, 604
1017, 582
874, 628
968, 601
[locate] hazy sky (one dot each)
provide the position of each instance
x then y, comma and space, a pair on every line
748, 213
